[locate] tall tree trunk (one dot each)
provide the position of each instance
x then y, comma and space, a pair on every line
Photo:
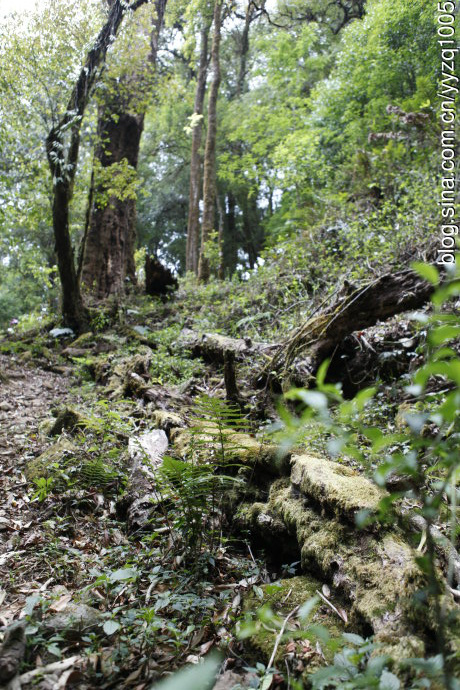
231, 238
209, 177
108, 253
63, 161
193, 224
109, 248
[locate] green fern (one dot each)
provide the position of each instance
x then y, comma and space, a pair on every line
95, 473
216, 435
196, 487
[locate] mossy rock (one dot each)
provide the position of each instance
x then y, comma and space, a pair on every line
163, 419
337, 487
282, 597
84, 340
376, 572
68, 419
49, 463
206, 441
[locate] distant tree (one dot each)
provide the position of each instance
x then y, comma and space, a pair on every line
193, 223
209, 176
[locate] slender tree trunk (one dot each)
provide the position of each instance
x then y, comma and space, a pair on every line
221, 227
244, 49
73, 310
193, 224
231, 238
108, 258
63, 161
209, 177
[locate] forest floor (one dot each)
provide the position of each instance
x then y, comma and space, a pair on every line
113, 584
27, 396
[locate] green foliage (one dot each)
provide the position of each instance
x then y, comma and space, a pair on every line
200, 677
118, 180
43, 487
428, 459
197, 486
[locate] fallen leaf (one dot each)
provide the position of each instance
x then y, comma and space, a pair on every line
206, 647
61, 603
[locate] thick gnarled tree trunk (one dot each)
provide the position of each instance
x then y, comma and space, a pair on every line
108, 251
63, 161
109, 247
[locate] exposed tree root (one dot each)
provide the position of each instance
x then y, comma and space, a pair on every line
300, 355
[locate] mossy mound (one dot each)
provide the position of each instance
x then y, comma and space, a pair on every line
335, 486
49, 463
69, 419
84, 340
307, 639
376, 573
209, 442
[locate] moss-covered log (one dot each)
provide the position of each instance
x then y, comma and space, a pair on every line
213, 347
375, 569
299, 356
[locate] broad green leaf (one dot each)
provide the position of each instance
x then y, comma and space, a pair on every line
110, 627
427, 271
199, 677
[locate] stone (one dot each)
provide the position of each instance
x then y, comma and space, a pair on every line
377, 573
337, 487
83, 340
55, 454
230, 679
74, 621
147, 450
75, 352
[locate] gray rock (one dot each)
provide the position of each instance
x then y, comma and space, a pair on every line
74, 620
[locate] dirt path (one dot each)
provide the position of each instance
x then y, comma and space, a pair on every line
26, 399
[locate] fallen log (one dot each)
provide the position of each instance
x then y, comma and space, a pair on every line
213, 347
298, 358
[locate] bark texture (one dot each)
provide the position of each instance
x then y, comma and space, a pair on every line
209, 179
193, 224
108, 253
109, 248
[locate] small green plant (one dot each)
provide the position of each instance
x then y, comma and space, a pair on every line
43, 488
197, 485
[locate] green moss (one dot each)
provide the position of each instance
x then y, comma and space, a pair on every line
163, 419
83, 340
377, 573
49, 463
207, 440
282, 597
69, 419
335, 486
